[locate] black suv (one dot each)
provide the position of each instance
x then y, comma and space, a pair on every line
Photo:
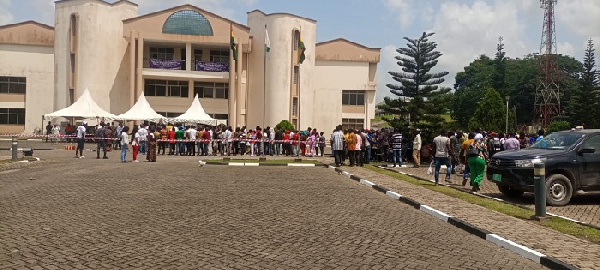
572, 161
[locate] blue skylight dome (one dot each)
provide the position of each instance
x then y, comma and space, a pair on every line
187, 22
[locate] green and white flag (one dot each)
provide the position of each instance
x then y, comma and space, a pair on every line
267, 40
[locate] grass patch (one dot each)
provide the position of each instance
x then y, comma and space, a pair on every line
268, 161
558, 224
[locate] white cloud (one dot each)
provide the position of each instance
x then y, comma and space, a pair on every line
387, 64
406, 10
566, 48
44, 10
463, 32
5, 16
579, 16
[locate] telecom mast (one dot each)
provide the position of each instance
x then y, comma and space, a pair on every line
547, 94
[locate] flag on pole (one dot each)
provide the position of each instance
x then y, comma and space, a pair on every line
267, 40
232, 43
301, 49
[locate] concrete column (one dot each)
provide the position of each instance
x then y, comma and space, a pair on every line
232, 88
188, 56
140, 66
132, 77
238, 93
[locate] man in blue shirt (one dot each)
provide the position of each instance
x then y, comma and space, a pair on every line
337, 145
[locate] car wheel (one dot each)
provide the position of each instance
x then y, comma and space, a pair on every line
558, 190
510, 192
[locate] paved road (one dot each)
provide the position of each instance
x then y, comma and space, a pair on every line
585, 208
101, 214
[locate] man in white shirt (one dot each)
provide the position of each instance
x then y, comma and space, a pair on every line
417, 148
143, 132
191, 144
228, 137
80, 139
442, 155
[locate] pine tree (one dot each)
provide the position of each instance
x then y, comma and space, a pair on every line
490, 114
418, 90
583, 107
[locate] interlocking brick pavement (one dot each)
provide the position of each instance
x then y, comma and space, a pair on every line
585, 208
102, 214
572, 250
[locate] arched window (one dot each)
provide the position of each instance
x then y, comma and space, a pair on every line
296, 39
187, 22
74, 24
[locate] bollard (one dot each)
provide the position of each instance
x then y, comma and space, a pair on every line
15, 145
539, 188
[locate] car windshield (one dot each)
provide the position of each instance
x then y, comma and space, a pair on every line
558, 140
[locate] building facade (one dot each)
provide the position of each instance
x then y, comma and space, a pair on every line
173, 55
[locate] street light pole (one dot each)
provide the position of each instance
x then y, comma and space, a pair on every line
506, 129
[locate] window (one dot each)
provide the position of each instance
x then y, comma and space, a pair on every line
162, 53
71, 96
350, 97
162, 88
296, 39
219, 116
296, 70
593, 142
73, 63
183, 58
197, 55
73, 25
219, 56
169, 114
187, 22
352, 123
211, 90
12, 85
294, 106
12, 116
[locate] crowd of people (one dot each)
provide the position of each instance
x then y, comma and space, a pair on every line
461, 153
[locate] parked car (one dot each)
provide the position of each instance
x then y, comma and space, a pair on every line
572, 160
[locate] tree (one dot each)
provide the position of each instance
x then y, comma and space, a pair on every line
418, 90
285, 125
490, 114
469, 88
583, 107
558, 126
499, 75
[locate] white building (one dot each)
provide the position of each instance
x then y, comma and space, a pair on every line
173, 54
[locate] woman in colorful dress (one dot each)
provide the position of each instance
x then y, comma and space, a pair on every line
477, 155
151, 156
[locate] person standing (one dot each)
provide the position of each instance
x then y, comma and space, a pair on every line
337, 145
511, 143
69, 132
396, 143
151, 139
351, 147
179, 135
162, 144
80, 139
55, 133
442, 155
124, 143
48, 130
463, 154
117, 131
477, 155
358, 149
366, 149
417, 148
321, 143
143, 143
101, 141
171, 140
135, 145
191, 144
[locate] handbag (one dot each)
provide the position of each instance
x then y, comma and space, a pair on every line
473, 151
430, 169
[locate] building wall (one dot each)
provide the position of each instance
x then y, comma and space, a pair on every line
36, 64
102, 65
279, 64
331, 78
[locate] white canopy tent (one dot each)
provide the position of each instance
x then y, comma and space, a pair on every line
195, 114
84, 107
141, 110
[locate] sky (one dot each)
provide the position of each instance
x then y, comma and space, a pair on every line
464, 29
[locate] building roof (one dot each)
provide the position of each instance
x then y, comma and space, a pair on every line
344, 50
27, 33
192, 7
103, 2
283, 13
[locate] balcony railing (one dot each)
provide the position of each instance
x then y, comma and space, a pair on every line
205, 66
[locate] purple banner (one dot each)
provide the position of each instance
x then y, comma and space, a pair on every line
212, 66
165, 64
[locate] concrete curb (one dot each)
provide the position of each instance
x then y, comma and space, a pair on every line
524, 251
492, 198
257, 164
